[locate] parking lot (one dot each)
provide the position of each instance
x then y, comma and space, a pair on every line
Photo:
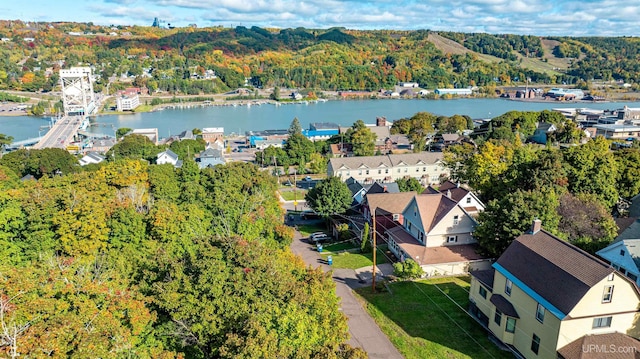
13, 109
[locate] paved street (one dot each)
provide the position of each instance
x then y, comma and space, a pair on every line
61, 133
363, 330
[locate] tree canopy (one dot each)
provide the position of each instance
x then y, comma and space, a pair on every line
329, 196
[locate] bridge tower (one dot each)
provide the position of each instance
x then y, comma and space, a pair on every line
77, 91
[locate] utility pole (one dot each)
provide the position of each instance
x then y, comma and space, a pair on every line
373, 281
295, 193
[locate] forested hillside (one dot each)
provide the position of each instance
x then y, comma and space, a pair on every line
130, 260
176, 60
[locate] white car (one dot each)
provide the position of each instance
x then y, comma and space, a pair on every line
319, 237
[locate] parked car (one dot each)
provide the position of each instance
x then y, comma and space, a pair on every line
319, 237
308, 179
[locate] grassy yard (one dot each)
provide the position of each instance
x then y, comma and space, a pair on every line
291, 196
355, 260
423, 323
337, 247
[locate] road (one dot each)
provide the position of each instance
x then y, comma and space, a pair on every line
363, 330
61, 134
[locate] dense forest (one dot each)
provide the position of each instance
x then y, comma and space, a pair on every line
176, 60
127, 259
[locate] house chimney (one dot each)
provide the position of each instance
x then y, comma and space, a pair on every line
536, 226
381, 121
458, 184
449, 193
384, 189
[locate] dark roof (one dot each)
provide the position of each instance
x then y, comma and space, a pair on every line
382, 188
576, 349
430, 190
211, 153
485, 277
503, 305
354, 186
563, 273
455, 190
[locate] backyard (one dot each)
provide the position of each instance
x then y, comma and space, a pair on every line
352, 259
422, 322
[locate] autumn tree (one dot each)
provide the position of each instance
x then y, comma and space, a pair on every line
586, 222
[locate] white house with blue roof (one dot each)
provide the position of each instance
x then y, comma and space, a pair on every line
624, 256
543, 294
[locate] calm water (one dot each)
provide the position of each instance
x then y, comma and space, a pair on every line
240, 119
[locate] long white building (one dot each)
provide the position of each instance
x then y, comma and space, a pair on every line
427, 167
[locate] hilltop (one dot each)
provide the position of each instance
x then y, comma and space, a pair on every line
215, 60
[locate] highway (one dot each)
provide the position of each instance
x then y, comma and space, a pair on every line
61, 134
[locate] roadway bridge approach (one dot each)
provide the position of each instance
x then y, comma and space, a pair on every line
61, 133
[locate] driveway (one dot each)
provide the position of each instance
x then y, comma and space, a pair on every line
363, 330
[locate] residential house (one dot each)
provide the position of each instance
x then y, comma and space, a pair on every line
400, 142
150, 133
359, 191
263, 144
390, 205
102, 145
170, 157
427, 167
624, 256
460, 194
437, 233
341, 150
210, 157
597, 346
91, 157
211, 134
542, 132
543, 294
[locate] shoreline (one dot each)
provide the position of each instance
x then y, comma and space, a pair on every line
260, 102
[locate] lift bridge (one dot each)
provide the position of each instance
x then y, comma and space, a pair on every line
78, 102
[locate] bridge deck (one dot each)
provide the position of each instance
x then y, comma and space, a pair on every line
61, 134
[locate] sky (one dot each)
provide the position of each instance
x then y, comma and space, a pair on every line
525, 17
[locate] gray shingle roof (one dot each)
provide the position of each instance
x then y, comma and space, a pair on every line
563, 273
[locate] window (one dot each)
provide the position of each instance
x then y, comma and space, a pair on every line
386, 170
498, 317
452, 239
632, 276
535, 344
610, 277
622, 252
468, 200
483, 292
608, 294
540, 313
424, 169
511, 325
360, 172
602, 322
379, 172
507, 287
456, 219
406, 170
367, 172
398, 170
421, 236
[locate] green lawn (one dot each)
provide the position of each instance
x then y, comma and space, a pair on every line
355, 260
423, 323
337, 247
291, 196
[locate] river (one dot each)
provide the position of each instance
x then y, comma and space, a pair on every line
242, 118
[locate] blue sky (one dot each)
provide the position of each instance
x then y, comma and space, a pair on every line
532, 17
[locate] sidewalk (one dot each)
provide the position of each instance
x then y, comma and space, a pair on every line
363, 330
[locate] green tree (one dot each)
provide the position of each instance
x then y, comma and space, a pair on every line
188, 148
409, 269
585, 222
628, 180
299, 149
365, 246
122, 131
592, 168
507, 218
5, 140
408, 184
134, 147
317, 163
362, 139
329, 196
295, 128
